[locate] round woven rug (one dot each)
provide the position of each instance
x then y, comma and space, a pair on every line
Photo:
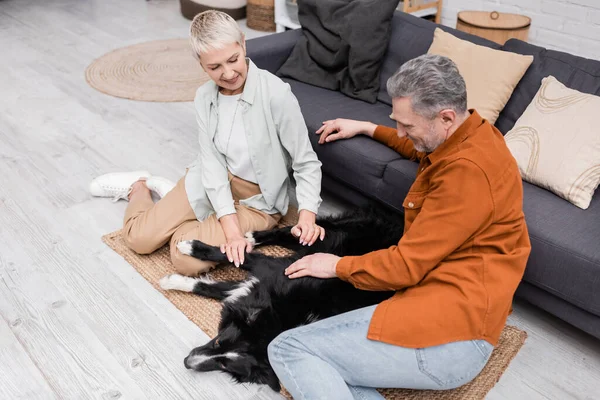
162, 70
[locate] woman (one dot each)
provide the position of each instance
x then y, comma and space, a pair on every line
251, 133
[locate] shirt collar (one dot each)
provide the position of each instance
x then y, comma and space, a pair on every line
249, 86
459, 136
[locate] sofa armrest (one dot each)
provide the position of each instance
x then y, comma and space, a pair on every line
270, 52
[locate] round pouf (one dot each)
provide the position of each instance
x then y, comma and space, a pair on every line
494, 26
235, 8
162, 70
261, 15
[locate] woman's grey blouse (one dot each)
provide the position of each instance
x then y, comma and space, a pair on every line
278, 142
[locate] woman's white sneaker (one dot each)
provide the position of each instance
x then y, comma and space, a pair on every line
117, 184
159, 185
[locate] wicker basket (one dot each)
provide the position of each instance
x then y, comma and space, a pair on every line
260, 15
495, 26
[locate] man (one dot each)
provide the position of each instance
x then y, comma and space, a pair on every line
454, 271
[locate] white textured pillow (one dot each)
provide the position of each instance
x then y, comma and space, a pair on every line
556, 142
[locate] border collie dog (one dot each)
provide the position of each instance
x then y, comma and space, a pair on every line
259, 308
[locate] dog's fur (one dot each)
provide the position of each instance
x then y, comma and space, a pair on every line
256, 310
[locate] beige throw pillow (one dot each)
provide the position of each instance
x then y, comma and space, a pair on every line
556, 142
491, 75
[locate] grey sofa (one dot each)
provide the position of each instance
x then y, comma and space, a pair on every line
563, 273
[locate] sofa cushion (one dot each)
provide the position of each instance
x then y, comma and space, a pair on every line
411, 37
556, 142
490, 74
342, 46
565, 256
358, 162
575, 72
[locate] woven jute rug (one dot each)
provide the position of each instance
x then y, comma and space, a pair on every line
206, 314
161, 70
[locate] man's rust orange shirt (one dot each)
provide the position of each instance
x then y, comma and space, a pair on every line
464, 248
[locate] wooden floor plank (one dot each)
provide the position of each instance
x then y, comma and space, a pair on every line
21, 378
73, 361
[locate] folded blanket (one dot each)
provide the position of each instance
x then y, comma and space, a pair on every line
342, 46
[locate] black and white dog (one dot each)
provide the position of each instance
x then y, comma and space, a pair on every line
259, 308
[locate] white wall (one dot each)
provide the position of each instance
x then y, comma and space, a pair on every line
572, 26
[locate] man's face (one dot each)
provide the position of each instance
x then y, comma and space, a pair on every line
226, 67
426, 135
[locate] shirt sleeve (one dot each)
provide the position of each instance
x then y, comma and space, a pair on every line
389, 137
214, 173
458, 205
293, 135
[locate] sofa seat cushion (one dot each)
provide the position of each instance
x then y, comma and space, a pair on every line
398, 177
565, 257
359, 162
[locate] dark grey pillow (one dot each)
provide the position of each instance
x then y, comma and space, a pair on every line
342, 46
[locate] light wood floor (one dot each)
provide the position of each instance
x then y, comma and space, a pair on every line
77, 322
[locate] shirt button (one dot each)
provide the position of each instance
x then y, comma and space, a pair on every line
411, 204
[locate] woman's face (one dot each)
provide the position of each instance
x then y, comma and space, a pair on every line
226, 67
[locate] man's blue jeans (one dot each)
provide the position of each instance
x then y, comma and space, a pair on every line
333, 359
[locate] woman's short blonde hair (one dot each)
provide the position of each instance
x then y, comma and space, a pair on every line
212, 30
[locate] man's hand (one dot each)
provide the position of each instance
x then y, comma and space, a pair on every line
319, 265
306, 228
345, 129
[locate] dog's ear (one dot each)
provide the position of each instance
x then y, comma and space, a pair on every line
267, 375
241, 370
272, 380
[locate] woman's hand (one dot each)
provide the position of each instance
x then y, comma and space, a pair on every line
306, 228
236, 243
345, 129
319, 265
235, 248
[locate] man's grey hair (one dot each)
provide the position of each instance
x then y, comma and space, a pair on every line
432, 82
213, 30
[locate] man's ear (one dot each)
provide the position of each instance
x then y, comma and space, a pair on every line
448, 116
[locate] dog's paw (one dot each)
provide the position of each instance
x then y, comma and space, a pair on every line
185, 247
177, 282
250, 238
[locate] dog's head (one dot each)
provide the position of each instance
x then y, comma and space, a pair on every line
236, 350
